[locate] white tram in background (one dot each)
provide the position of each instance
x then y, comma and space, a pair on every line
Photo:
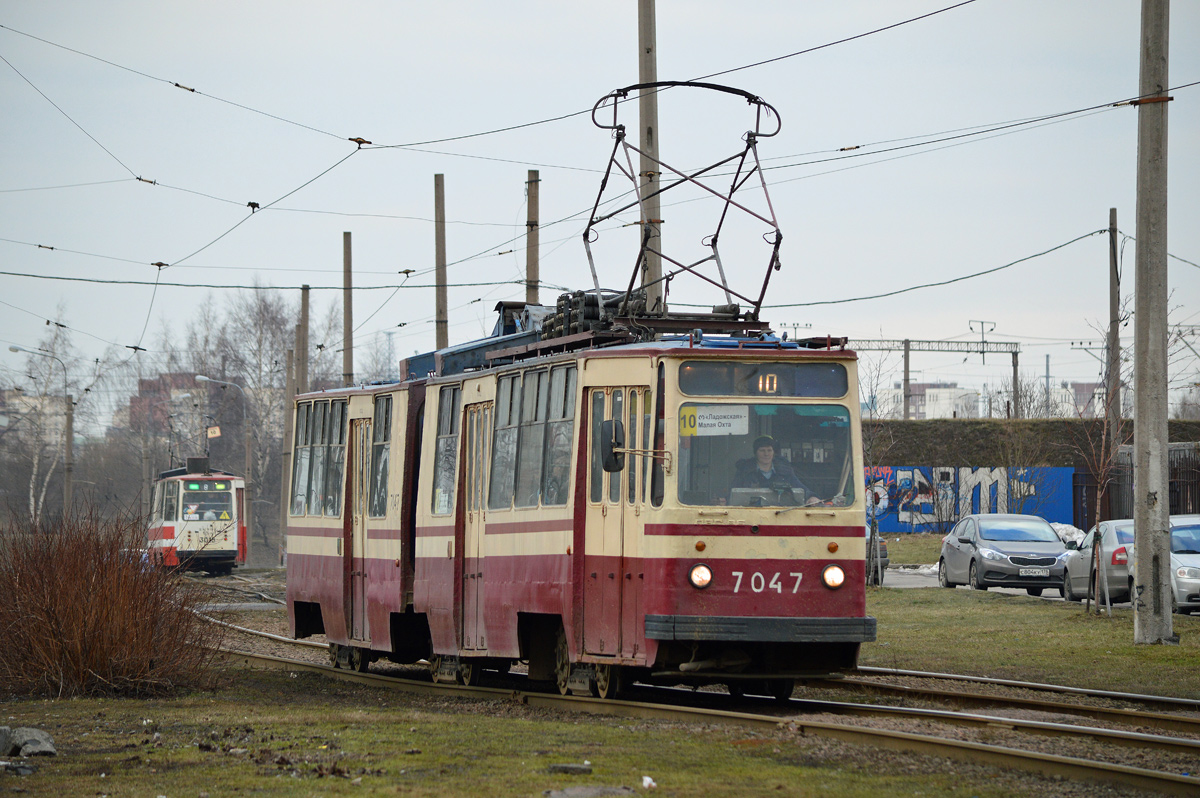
579, 504
197, 519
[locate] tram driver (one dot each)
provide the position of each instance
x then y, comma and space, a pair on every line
768, 472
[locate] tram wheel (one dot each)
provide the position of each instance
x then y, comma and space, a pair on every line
435, 664
607, 682
359, 659
736, 689
562, 662
468, 673
781, 689
334, 655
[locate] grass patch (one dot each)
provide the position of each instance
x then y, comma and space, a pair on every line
916, 548
1020, 637
273, 734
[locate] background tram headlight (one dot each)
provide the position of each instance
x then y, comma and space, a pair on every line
833, 576
700, 576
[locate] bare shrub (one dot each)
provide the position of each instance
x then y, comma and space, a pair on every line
83, 614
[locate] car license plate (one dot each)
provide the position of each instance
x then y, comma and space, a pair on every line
1035, 572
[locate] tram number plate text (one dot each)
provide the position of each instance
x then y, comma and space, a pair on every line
1035, 572
757, 582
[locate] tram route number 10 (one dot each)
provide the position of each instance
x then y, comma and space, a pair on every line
759, 583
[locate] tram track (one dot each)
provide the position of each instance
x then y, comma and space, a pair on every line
957, 749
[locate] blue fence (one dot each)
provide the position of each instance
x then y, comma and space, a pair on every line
933, 498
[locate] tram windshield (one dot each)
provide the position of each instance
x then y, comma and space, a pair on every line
207, 501
765, 455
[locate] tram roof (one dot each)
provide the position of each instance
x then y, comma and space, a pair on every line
500, 352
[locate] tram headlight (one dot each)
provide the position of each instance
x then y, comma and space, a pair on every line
833, 576
700, 576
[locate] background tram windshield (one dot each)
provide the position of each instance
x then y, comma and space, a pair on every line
207, 501
807, 460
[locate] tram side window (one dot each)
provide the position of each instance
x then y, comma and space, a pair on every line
596, 488
335, 459
446, 451
300, 454
157, 502
531, 438
318, 459
381, 437
556, 471
504, 442
318, 432
170, 508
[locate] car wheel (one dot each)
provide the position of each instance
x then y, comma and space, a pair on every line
975, 578
1067, 593
943, 579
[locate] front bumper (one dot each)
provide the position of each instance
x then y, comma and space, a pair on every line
769, 630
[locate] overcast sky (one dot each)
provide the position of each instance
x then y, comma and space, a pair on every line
280, 87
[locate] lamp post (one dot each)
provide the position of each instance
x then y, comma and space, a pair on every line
69, 432
246, 509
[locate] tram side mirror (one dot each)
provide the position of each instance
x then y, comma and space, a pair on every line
612, 437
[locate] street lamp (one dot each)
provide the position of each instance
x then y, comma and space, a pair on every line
69, 436
246, 434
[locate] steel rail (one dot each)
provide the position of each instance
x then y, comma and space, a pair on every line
1165, 701
1046, 764
1158, 720
1133, 717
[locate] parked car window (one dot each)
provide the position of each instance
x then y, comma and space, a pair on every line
969, 530
1086, 543
1185, 540
1017, 530
1124, 534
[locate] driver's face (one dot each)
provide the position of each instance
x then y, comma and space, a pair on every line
765, 455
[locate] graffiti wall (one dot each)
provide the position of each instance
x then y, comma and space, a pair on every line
933, 498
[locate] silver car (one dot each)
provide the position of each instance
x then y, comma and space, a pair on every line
1185, 562
1116, 557
993, 550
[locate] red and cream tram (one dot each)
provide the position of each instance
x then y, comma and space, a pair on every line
680, 510
196, 521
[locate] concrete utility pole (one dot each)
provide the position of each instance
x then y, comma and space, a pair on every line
347, 313
441, 322
907, 388
302, 344
532, 238
648, 143
1152, 622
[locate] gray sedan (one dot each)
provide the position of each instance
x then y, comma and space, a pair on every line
994, 550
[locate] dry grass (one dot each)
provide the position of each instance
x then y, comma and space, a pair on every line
82, 614
986, 633
915, 548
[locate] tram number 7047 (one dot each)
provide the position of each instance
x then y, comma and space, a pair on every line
759, 583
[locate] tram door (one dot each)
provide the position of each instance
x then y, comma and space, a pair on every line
477, 454
355, 546
612, 578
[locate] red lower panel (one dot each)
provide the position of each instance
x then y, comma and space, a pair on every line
755, 588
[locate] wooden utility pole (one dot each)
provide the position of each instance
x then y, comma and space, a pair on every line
285, 461
347, 314
302, 344
1152, 622
441, 322
1112, 410
532, 236
1016, 388
648, 143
